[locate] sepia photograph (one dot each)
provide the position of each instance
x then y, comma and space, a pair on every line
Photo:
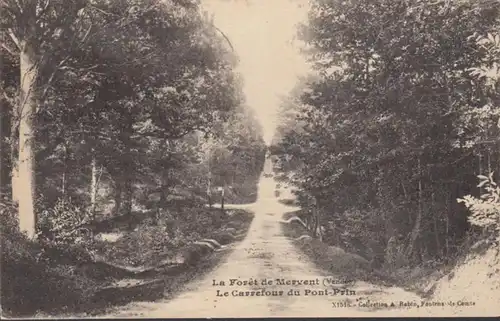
249, 158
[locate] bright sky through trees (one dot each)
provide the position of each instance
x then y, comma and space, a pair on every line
262, 33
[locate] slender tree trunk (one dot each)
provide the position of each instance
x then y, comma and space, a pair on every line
117, 197
163, 194
24, 191
480, 171
127, 199
64, 174
129, 170
209, 188
489, 160
436, 229
367, 70
94, 185
405, 193
63, 186
415, 233
309, 222
14, 157
127, 202
314, 229
222, 200
318, 224
162, 205
389, 231
447, 226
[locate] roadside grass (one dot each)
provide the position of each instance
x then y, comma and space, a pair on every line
422, 280
332, 259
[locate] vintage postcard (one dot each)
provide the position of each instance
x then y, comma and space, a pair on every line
250, 158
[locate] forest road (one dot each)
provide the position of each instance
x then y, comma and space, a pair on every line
267, 254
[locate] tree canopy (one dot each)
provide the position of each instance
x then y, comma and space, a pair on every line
112, 94
400, 118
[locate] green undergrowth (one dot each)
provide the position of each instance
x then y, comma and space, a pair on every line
332, 260
37, 276
45, 279
197, 261
170, 286
149, 244
422, 279
242, 193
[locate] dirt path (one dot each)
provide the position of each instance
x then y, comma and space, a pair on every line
267, 254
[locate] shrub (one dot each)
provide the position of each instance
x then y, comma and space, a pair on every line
192, 253
147, 244
61, 224
33, 277
485, 211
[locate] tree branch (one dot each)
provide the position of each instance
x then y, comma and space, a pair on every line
14, 38
86, 36
18, 4
224, 35
34, 69
8, 7
10, 100
43, 10
103, 12
9, 50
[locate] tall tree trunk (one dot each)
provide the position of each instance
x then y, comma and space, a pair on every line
163, 195
415, 233
14, 157
24, 191
480, 171
381, 192
318, 225
222, 199
447, 227
129, 169
209, 188
64, 173
94, 185
436, 229
117, 196
127, 200
127, 197
489, 160
314, 226
309, 222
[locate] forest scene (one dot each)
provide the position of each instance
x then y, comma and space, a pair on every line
117, 117
150, 148
397, 130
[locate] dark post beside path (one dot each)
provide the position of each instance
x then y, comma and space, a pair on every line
222, 198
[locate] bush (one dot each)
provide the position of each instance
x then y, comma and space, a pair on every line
61, 224
146, 245
33, 277
154, 241
192, 253
242, 193
485, 212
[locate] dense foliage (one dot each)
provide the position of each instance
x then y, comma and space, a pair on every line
113, 114
123, 99
400, 118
